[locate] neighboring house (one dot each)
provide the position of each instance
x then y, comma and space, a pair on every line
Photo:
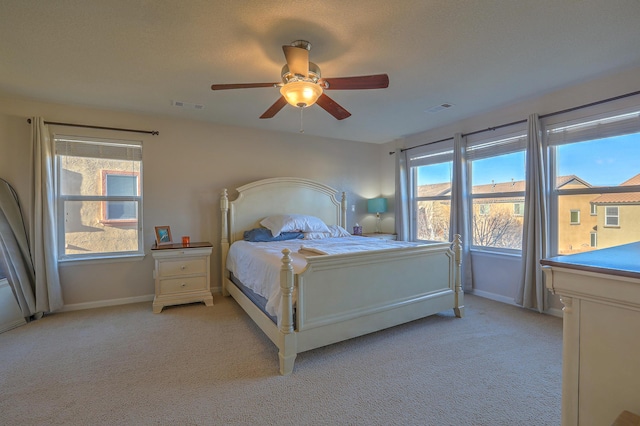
576, 219
497, 222
618, 216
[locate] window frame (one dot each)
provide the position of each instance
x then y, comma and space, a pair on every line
613, 127
607, 215
571, 221
437, 153
105, 204
62, 199
510, 140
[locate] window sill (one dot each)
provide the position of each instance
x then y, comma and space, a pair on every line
102, 259
496, 252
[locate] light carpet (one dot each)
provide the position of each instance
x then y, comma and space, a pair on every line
198, 365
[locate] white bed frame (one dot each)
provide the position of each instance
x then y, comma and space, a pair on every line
338, 296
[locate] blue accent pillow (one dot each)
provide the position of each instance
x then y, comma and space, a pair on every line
263, 235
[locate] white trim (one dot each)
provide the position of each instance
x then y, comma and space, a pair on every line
104, 303
12, 325
493, 296
510, 301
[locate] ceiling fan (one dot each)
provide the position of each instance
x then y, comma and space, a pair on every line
302, 84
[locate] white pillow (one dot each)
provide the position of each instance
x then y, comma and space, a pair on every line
335, 231
293, 223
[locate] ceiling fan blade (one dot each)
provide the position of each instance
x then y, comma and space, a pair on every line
275, 108
242, 86
297, 60
378, 81
332, 107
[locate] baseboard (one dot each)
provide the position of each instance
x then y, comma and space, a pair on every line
12, 325
104, 303
493, 296
498, 298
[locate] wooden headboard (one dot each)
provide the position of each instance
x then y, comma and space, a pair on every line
285, 195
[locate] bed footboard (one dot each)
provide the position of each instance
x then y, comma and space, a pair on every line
344, 296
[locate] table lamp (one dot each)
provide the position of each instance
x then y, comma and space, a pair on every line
377, 206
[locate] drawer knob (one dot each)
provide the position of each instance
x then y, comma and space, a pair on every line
183, 285
183, 267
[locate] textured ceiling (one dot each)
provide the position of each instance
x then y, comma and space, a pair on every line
140, 55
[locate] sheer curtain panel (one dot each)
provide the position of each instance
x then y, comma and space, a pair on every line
403, 201
535, 244
460, 208
43, 241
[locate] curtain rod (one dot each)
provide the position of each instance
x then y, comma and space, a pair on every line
551, 114
149, 132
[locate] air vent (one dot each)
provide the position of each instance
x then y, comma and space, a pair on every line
189, 105
438, 108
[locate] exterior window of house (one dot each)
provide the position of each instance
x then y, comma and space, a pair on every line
120, 184
99, 198
575, 217
430, 179
611, 217
518, 209
594, 165
497, 171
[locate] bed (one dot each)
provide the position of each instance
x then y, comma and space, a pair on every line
335, 297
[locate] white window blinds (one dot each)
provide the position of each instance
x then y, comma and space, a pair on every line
99, 148
595, 127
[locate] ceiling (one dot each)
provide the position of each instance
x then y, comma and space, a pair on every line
140, 55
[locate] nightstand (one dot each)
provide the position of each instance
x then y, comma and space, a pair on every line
380, 236
182, 274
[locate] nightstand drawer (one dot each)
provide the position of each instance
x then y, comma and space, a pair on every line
180, 285
182, 267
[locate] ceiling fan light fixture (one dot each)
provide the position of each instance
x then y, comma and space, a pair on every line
301, 94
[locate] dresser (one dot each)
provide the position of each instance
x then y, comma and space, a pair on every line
600, 291
182, 274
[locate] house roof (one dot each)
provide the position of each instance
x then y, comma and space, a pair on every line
518, 186
145, 57
621, 197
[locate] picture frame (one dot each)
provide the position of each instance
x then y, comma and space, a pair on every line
163, 235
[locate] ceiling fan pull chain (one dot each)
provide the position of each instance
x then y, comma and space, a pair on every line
301, 122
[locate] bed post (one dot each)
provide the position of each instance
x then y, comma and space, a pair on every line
458, 304
224, 240
343, 210
288, 349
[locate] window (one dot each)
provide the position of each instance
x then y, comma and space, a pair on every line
611, 216
497, 170
594, 165
99, 196
120, 184
575, 217
430, 179
518, 209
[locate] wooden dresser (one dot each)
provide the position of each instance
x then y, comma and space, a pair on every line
600, 291
182, 274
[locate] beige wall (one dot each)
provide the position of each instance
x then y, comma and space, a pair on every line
627, 232
575, 238
185, 168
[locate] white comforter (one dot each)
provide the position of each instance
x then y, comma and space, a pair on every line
257, 265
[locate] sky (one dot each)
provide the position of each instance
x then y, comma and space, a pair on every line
596, 162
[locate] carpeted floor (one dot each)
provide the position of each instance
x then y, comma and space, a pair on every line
194, 365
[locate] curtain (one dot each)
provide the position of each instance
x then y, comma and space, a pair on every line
459, 219
535, 245
403, 201
43, 240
